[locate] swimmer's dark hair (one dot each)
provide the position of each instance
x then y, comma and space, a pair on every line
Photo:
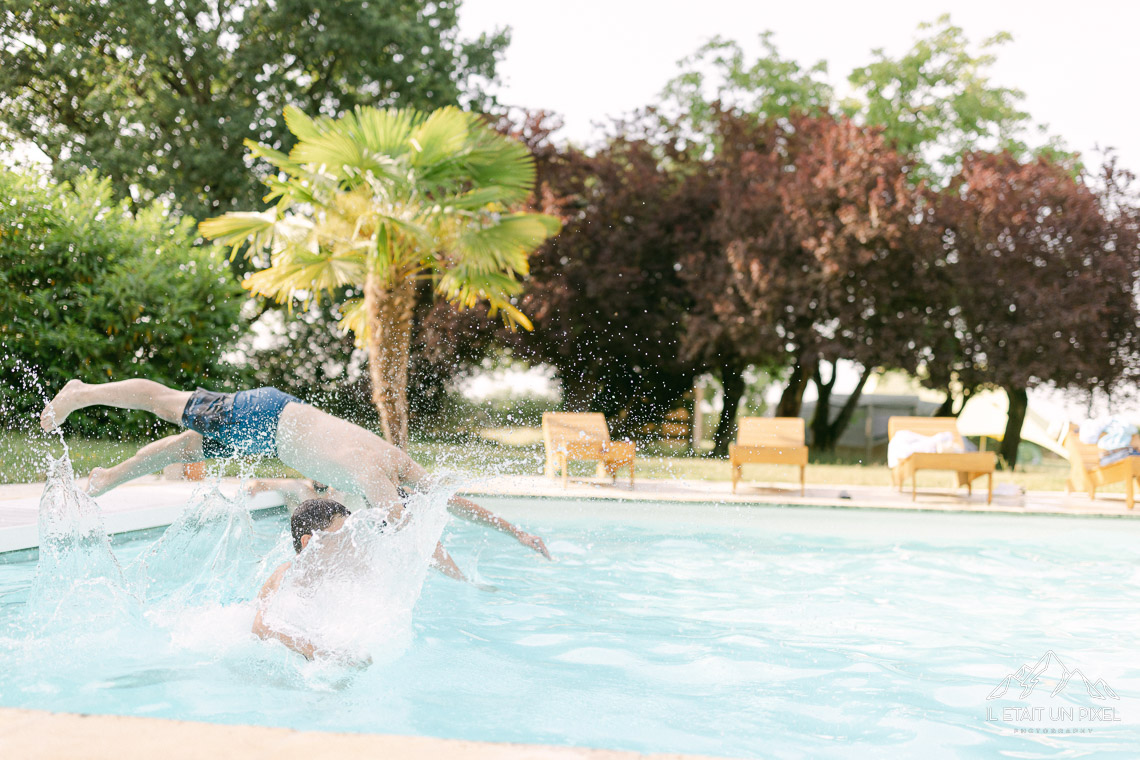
314, 515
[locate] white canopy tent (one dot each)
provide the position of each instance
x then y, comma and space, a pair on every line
986, 414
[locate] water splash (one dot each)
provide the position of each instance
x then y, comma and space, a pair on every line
206, 556
352, 592
78, 575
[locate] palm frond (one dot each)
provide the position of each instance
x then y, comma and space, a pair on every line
492, 198
297, 269
507, 243
273, 156
441, 137
512, 317
235, 228
494, 159
303, 127
385, 131
355, 320
465, 288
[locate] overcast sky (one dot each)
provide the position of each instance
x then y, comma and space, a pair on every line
592, 59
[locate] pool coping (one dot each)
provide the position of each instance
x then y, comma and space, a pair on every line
152, 503
41, 734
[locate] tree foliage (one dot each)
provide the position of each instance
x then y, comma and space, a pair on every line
937, 101
1041, 280
815, 220
159, 96
96, 292
605, 296
377, 200
720, 76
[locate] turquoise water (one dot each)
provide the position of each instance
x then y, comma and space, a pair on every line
753, 632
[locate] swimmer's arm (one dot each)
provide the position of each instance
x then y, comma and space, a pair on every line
443, 562
263, 631
413, 476
468, 510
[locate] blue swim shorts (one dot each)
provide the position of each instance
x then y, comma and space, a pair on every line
236, 424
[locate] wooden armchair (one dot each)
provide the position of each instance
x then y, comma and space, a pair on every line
571, 436
769, 440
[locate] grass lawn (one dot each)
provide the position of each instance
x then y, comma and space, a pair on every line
520, 452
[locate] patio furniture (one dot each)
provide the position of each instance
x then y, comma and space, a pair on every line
968, 465
583, 436
769, 440
1086, 474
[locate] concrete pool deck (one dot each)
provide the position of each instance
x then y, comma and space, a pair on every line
41, 735
153, 502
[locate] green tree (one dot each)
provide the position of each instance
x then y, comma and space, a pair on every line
720, 76
159, 96
90, 290
937, 101
375, 201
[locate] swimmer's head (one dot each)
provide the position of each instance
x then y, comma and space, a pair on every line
314, 515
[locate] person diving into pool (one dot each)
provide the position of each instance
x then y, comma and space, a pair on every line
268, 422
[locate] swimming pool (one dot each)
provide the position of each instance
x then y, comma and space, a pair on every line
734, 631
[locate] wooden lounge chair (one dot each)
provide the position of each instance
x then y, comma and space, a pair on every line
585, 437
768, 440
969, 465
1086, 474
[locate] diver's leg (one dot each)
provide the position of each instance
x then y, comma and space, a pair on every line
137, 393
184, 447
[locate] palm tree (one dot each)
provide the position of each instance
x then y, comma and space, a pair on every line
378, 199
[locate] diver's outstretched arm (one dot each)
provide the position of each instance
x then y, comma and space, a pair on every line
414, 476
472, 512
184, 447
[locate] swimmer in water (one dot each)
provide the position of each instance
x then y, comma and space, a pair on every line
311, 516
268, 422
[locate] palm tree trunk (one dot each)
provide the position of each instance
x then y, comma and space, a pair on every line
390, 307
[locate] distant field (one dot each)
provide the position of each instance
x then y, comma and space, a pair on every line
517, 452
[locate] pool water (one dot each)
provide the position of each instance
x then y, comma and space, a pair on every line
743, 632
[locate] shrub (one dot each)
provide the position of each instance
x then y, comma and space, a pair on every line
94, 291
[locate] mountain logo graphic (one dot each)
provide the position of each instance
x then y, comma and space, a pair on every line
1029, 677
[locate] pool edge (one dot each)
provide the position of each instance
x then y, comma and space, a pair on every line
35, 734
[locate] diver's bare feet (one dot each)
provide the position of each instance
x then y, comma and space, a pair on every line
64, 403
97, 482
